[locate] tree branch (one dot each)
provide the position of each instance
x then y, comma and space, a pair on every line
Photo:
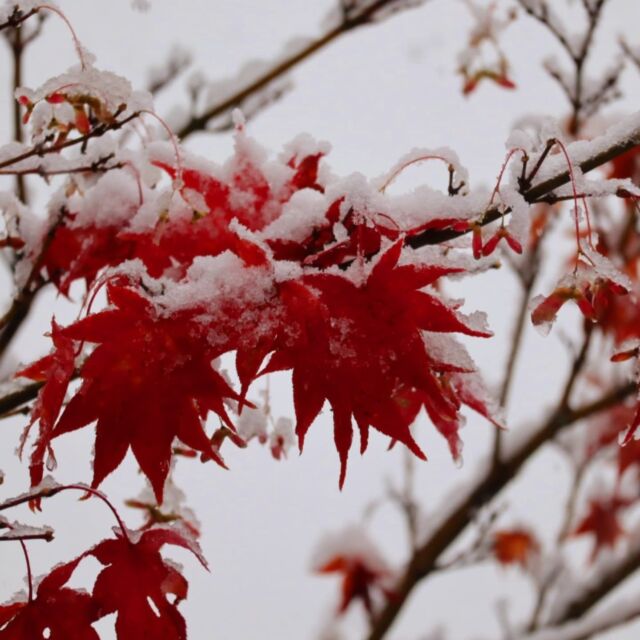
349, 22
424, 559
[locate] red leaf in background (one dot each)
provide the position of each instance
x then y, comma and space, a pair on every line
358, 581
626, 165
587, 287
602, 521
136, 583
148, 382
514, 546
365, 574
628, 456
66, 613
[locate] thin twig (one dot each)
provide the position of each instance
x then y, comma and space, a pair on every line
47, 536
43, 150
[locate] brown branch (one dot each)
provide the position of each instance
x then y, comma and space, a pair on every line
425, 558
578, 55
590, 628
552, 198
630, 53
17, 18
99, 166
350, 22
563, 532
593, 594
17, 49
542, 16
12, 320
36, 494
19, 397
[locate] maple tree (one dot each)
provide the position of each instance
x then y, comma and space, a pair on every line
197, 282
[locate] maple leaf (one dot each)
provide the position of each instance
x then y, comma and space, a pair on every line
136, 583
514, 546
361, 348
246, 196
56, 370
602, 521
82, 252
149, 381
57, 612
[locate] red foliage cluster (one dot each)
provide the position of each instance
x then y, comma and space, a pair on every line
350, 332
135, 584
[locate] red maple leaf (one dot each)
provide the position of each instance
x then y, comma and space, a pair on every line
149, 381
64, 612
82, 252
603, 522
136, 584
361, 348
57, 370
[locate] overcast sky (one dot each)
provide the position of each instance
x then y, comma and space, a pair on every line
374, 94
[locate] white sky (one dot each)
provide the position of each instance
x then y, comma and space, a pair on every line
374, 94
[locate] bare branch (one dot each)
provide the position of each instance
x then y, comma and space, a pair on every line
423, 562
43, 150
360, 14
